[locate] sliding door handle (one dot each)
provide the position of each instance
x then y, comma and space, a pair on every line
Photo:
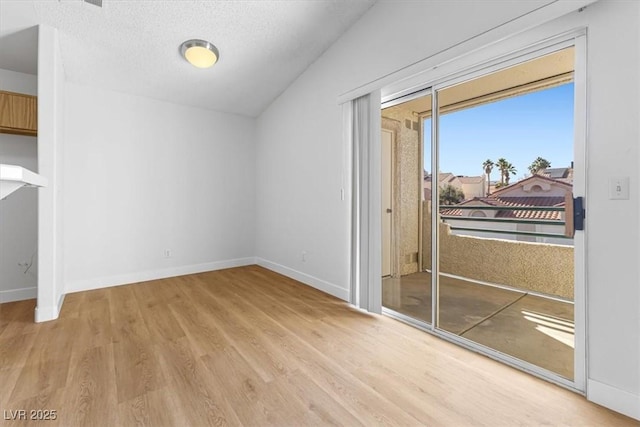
578, 213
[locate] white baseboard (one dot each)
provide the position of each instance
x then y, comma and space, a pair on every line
307, 279
60, 302
45, 314
613, 398
143, 276
18, 294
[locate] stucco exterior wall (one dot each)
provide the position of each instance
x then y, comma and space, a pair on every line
407, 196
532, 187
539, 267
473, 190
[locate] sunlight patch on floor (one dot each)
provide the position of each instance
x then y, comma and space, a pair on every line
559, 329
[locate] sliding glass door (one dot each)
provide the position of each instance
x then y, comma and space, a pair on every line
480, 239
506, 265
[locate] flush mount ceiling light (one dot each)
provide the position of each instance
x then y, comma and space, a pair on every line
199, 53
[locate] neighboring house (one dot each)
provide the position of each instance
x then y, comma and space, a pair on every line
535, 191
534, 186
560, 174
471, 186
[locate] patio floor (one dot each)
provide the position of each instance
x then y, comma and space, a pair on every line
532, 328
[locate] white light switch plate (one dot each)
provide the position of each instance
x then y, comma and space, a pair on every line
619, 188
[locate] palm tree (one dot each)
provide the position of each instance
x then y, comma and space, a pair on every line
539, 165
502, 166
488, 167
510, 169
506, 170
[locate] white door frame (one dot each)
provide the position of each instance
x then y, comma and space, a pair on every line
392, 237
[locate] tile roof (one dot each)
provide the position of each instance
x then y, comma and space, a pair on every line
507, 202
446, 177
531, 201
470, 179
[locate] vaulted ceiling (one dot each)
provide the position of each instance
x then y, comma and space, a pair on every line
132, 46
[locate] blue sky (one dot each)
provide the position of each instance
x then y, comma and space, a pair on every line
518, 129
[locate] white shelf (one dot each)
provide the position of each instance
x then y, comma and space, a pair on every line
14, 177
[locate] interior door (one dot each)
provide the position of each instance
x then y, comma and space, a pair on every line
387, 200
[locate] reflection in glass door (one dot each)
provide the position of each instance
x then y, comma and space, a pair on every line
406, 208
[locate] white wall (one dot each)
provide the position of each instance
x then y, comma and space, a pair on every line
51, 81
613, 289
301, 161
142, 176
18, 213
12, 81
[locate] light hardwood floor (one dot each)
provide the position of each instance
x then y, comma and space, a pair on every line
247, 346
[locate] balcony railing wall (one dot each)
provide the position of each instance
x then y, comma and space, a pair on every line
540, 267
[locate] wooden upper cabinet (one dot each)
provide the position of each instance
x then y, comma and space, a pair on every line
18, 113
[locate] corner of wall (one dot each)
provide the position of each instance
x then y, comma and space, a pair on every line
314, 282
50, 118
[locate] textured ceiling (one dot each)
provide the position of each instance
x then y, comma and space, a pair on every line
132, 46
